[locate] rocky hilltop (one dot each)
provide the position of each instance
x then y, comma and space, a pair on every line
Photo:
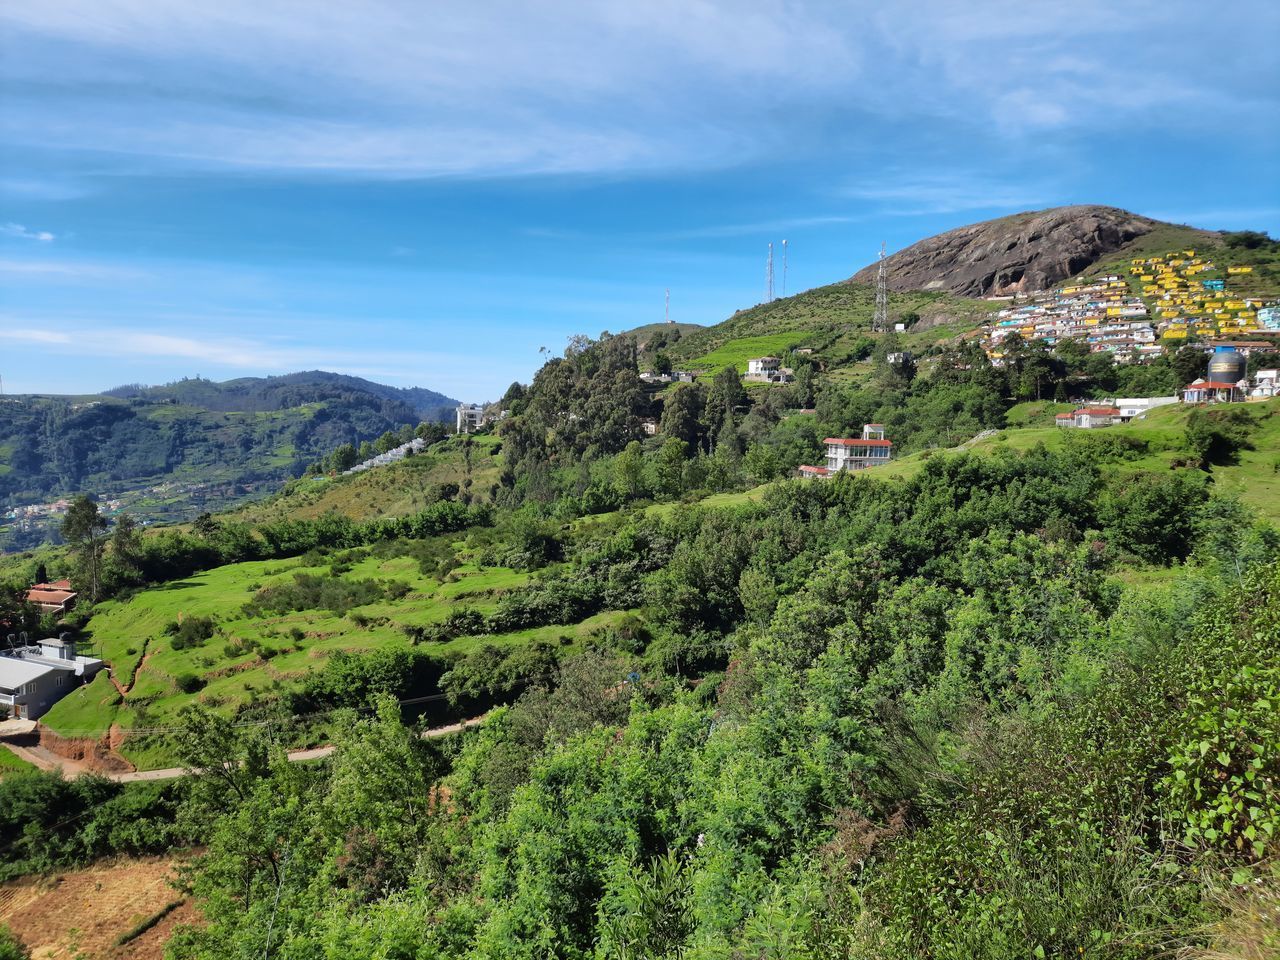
1020, 253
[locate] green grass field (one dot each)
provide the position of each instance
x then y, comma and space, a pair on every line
11, 764
254, 655
736, 353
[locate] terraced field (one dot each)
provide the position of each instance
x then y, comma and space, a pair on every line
253, 653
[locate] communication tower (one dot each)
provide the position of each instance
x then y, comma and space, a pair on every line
880, 322
768, 276
784, 269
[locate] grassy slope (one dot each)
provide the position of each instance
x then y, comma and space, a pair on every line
121, 631
827, 319
9, 764
394, 490
1254, 477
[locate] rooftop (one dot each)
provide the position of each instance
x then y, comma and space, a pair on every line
858, 442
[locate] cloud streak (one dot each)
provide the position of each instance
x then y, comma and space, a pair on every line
235, 353
383, 89
20, 232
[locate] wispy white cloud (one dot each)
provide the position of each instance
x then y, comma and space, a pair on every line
35, 335
61, 271
235, 353
710, 231
904, 193
22, 233
393, 88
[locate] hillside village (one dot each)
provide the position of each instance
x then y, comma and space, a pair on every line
1174, 305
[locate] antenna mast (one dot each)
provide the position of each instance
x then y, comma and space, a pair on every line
666, 314
768, 276
784, 268
880, 322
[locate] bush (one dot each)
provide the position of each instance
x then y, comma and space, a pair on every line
1225, 774
11, 948
189, 682
190, 632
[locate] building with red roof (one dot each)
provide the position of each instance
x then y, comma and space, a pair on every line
1212, 391
54, 597
854, 453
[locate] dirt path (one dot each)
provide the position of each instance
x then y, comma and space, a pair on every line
46, 759
142, 662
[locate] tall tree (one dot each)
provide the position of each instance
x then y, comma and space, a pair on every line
682, 413
725, 397
126, 547
85, 529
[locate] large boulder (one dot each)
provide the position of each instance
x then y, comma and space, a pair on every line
1017, 254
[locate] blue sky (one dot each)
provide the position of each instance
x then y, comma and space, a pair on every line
427, 194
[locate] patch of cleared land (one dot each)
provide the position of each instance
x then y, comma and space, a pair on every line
82, 914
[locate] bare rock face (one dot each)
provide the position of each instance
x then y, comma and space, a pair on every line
1018, 254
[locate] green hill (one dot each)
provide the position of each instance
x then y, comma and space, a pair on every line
167, 453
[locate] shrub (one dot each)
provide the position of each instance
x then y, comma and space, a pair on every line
190, 632
11, 948
1225, 774
188, 682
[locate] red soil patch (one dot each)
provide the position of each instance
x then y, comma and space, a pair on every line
96, 754
81, 913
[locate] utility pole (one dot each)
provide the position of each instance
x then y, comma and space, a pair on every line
880, 322
784, 269
768, 276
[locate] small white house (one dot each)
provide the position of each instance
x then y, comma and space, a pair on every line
763, 366
1265, 385
1089, 418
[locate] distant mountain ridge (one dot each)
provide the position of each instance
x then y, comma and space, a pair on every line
255, 394
1015, 254
166, 452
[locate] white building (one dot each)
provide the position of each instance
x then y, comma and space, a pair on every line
856, 453
1265, 385
470, 417
1088, 418
1131, 407
33, 679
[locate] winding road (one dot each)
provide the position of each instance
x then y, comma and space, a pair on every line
46, 759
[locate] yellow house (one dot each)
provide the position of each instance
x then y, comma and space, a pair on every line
1239, 270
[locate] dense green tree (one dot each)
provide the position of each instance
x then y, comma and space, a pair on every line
682, 412
85, 529
725, 398
344, 458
